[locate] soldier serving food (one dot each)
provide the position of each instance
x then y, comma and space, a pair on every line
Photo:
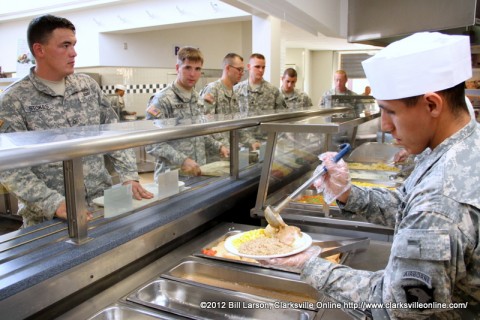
433, 266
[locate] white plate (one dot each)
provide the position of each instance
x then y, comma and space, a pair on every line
150, 187
303, 244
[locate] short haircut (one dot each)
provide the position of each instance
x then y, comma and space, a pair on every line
258, 56
230, 57
454, 96
189, 53
292, 73
41, 28
342, 72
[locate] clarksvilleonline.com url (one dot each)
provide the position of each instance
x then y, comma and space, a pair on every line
329, 305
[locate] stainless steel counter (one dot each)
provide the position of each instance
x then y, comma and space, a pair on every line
373, 258
39, 259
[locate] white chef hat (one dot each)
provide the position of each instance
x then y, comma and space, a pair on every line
423, 62
120, 87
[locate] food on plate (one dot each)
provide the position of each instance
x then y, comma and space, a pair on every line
220, 252
289, 235
258, 236
268, 241
372, 166
264, 246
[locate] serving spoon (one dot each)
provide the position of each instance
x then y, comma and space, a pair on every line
272, 215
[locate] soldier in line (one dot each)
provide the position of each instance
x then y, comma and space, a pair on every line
180, 102
294, 98
219, 97
53, 96
419, 85
256, 95
340, 78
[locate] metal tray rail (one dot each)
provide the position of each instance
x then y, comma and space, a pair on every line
200, 302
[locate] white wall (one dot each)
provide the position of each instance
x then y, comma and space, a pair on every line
10, 34
321, 74
156, 48
295, 56
107, 22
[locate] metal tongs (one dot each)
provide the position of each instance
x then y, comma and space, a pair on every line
272, 215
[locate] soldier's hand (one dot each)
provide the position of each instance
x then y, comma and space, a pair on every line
138, 191
61, 212
401, 156
295, 262
224, 152
190, 167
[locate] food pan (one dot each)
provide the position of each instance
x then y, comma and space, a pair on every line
198, 302
210, 274
123, 312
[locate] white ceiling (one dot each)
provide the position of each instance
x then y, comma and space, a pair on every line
292, 35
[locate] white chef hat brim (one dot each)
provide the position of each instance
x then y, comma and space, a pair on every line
423, 62
120, 87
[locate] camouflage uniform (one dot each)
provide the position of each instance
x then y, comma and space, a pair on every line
435, 251
265, 98
171, 104
225, 102
326, 100
29, 105
297, 100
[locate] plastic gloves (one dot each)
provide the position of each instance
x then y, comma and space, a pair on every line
295, 262
337, 179
401, 156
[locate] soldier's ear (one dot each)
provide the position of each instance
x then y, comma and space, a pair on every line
38, 49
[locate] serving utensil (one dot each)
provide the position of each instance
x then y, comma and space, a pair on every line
272, 215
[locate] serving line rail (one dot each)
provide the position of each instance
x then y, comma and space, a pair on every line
25, 149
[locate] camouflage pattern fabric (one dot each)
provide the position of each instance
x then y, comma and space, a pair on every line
171, 104
29, 105
225, 102
262, 99
297, 100
265, 97
435, 251
326, 100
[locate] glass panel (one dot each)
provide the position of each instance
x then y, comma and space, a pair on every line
294, 159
